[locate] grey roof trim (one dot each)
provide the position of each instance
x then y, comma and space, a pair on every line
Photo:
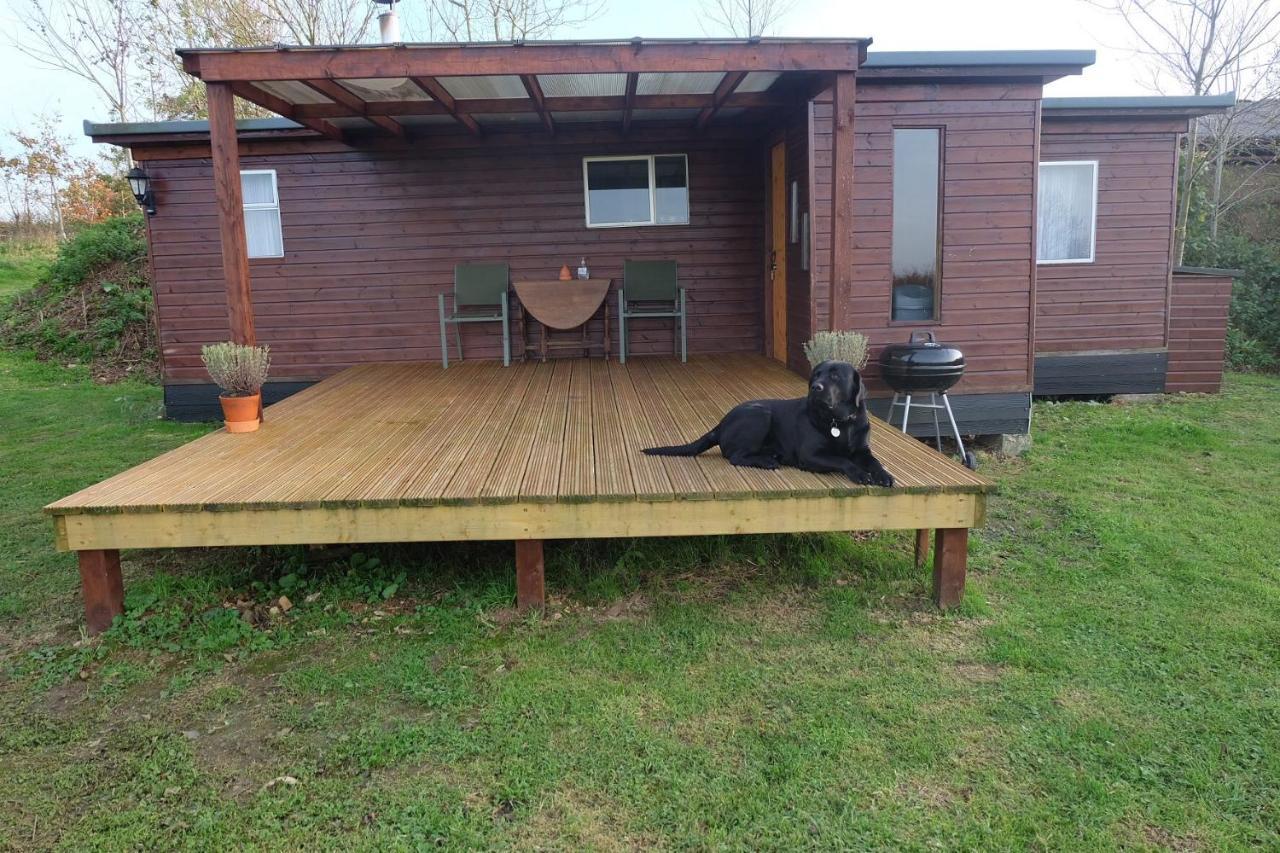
515, 45
1142, 102
976, 58
145, 128
1215, 271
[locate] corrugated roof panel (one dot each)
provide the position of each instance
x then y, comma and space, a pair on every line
487, 119
423, 121
587, 115
582, 85
681, 83
350, 123
385, 89
293, 91
494, 86
758, 81
665, 115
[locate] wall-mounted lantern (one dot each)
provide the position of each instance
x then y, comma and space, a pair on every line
140, 185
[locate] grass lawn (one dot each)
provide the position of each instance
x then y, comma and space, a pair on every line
1113, 679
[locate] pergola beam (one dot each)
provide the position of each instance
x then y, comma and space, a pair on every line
597, 103
335, 92
290, 111
436, 89
730, 82
302, 63
629, 101
539, 100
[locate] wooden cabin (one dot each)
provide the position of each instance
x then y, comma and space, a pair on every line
376, 186
798, 184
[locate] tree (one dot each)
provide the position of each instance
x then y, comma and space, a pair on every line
506, 20
743, 18
45, 187
243, 23
99, 41
1207, 47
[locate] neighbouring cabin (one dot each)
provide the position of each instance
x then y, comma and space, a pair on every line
1106, 291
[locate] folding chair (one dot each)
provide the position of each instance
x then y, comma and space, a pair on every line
479, 296
654, 288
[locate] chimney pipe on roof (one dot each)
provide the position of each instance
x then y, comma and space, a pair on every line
389, 22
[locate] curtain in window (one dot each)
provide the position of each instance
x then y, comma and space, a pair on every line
1064, 219
262, 229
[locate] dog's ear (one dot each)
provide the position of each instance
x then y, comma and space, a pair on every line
859, 395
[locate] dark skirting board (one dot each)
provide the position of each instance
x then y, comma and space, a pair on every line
1090, 374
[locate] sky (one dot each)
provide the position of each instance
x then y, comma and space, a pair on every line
902, 25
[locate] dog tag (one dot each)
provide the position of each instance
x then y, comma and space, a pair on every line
835, 432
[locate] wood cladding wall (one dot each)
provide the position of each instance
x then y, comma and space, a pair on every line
989, 132
1120, 301
1197, 331
371, 238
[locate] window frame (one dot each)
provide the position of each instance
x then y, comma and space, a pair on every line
247, 206
1093, 213
653, 190
942, 196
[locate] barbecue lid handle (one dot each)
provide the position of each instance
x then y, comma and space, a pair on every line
923, 337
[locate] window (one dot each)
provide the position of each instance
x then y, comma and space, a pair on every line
917, 181
649, 190
1067, 213
262, 214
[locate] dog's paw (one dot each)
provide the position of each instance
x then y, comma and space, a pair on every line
862, 478
884, 478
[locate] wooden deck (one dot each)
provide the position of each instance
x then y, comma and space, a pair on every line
411, 452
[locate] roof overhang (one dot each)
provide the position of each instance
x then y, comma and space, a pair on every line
400, 88
1044, 65
1139, 106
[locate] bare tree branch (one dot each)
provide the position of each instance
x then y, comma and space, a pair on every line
743, 18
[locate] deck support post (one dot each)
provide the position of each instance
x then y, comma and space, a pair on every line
102, 588
225, 154
950, 557
922, 546
843, 96
531, 593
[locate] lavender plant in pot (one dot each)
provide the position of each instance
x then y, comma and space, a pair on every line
240, 371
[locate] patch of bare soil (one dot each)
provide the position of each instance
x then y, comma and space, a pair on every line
979, 673
1164, 839
580, 820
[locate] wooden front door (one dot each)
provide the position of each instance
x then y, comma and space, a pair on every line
777, 271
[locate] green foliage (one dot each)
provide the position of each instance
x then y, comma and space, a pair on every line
92, 303
1253, 339
98, 247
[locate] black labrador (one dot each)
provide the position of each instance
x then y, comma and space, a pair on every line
827, 431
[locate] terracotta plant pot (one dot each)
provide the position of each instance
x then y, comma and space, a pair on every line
565, 275
241, 413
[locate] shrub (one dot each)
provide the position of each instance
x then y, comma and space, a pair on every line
238, 369
1253, 339
837, 346
91, 304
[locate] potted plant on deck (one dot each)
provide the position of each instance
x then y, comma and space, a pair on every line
240, 371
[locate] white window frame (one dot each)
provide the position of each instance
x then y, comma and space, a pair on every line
653, 191
1093, 213
275, 193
